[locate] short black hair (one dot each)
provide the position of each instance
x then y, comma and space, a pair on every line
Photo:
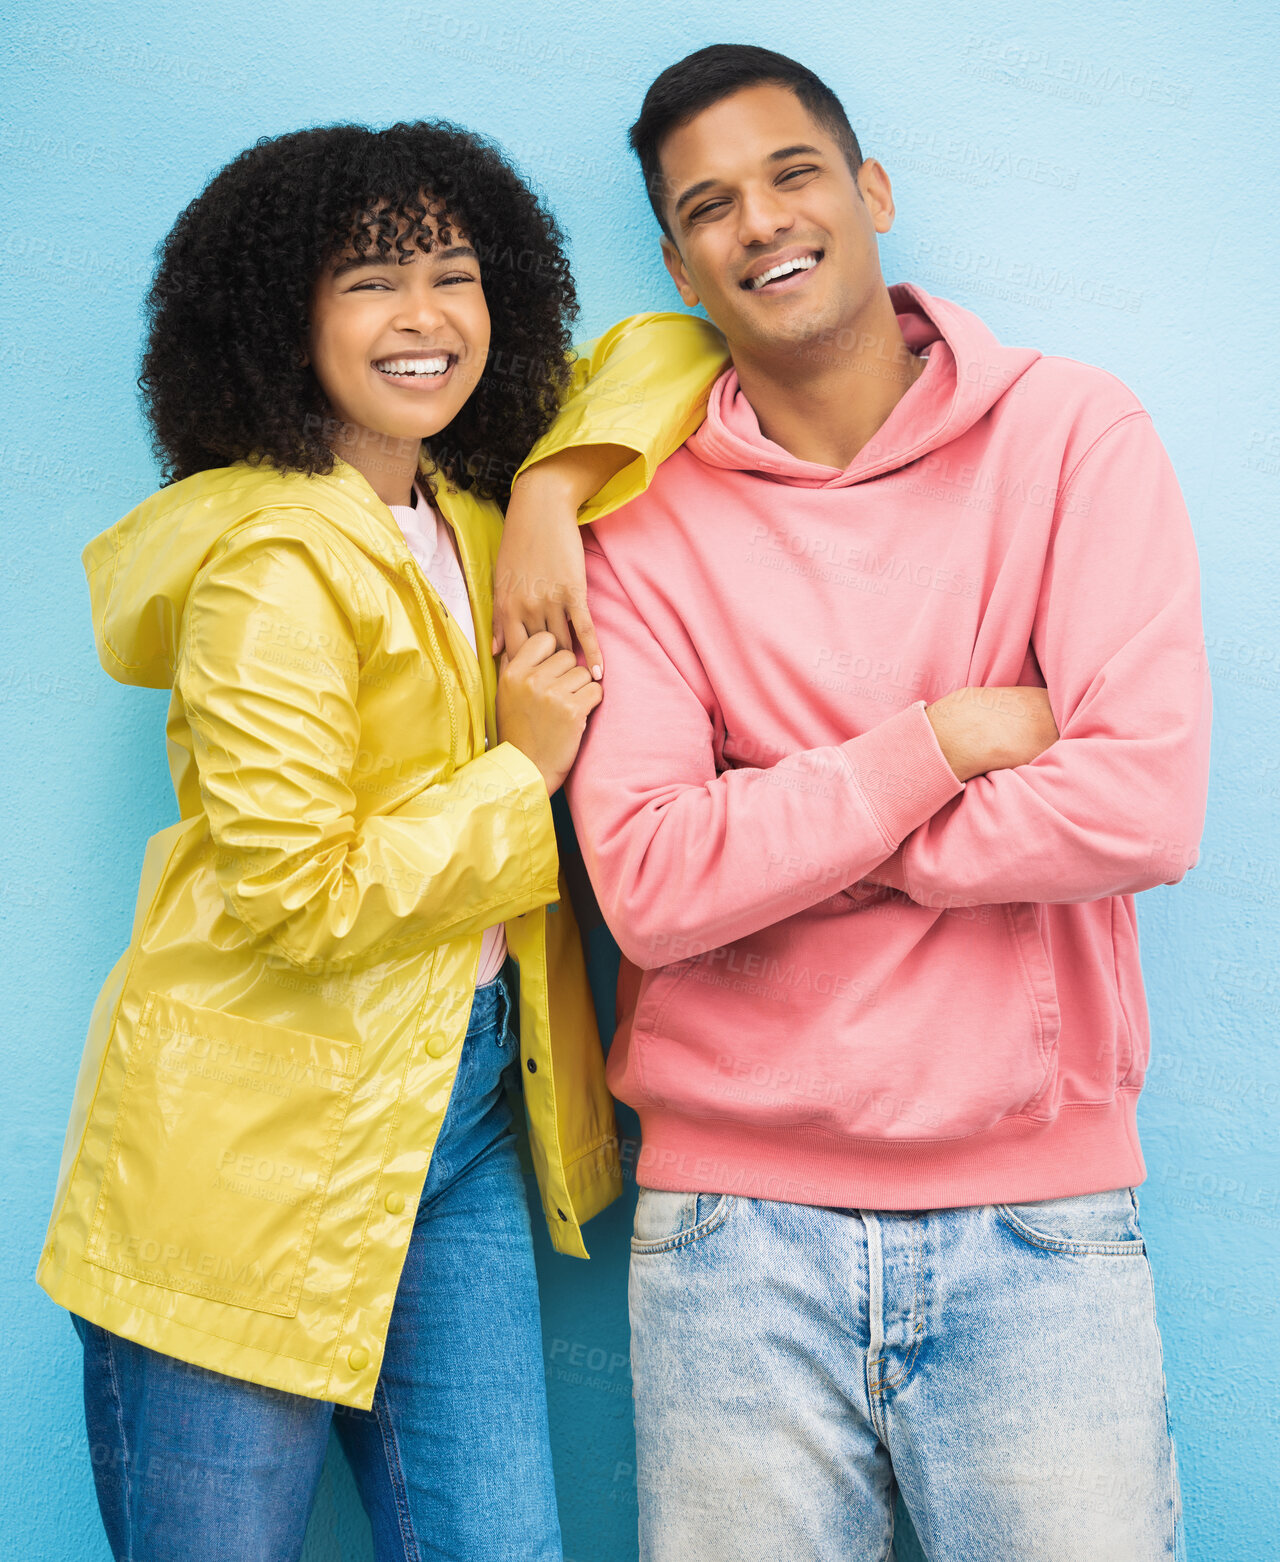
694, 83
228, 312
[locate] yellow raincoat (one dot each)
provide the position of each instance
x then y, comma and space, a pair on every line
269, 1063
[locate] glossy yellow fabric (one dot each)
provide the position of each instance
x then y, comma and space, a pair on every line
269, 1063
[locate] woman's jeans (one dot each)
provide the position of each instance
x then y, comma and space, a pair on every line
452, 1461
796, 1368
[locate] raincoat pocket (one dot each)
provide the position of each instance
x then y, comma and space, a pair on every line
221, 1153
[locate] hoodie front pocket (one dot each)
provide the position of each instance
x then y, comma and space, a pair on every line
1026, 925
220, 1157
891, 1022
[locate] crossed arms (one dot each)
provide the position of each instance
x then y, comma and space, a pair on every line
1116, 805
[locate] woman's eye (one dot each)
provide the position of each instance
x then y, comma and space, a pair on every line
360, 287
460, 276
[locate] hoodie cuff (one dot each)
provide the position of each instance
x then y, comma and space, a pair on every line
902, 773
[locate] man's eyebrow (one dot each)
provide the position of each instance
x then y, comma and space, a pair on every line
695, 190
359, 262
793, 151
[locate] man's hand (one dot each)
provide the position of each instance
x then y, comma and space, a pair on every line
992, 729
540, 581
544, 699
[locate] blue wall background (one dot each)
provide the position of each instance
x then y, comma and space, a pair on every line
1097, 180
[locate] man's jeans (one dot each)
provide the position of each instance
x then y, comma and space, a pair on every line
796, 1367
453, 1460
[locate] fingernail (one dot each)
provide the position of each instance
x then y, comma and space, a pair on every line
597, 671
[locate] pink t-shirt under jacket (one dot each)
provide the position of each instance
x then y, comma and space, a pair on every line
431, 542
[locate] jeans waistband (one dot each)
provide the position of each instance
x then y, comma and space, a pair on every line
493, 1003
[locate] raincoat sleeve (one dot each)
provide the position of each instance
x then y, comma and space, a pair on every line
1117, 804
644, 385
275, 739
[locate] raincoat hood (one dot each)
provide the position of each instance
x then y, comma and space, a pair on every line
967, 371
141, 570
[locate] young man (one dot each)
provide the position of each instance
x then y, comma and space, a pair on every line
905, 699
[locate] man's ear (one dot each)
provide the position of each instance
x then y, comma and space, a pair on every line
877, 194
675, 266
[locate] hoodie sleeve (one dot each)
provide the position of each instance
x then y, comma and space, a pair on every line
643, 385
1117, 804
276, 738
683, 859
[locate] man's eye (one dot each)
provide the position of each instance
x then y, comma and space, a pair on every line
706, 211
792, 172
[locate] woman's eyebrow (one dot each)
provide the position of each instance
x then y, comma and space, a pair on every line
357, 262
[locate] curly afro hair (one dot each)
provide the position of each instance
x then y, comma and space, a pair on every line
227, 315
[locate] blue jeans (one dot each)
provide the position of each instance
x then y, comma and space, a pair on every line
797, 1367
453, 1459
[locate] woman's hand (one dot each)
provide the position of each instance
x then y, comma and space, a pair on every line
540, 581
544, 699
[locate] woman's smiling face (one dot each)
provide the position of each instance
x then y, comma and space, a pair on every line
399, 344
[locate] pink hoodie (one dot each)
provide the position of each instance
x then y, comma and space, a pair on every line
861, 982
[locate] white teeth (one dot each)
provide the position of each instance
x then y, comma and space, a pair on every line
800, 263
412, 366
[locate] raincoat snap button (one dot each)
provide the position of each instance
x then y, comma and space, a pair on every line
532, 1066
394, 1202
437, 1044
358, 1358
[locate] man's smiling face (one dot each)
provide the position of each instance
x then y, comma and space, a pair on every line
771, 231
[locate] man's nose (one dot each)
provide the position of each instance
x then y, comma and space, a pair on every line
763, 215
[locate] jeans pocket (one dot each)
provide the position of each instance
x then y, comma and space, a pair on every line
1103, 1223
666, 1221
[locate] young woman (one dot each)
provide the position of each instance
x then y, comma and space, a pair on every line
289, 1182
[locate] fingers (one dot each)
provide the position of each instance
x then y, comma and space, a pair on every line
506, 621
586, 633
582, 695
558, 669
549, 669
532, 650
555, 620
577, 677
515, 635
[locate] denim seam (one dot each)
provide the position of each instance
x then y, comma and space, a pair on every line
395, 1473
687, 1238
917, 1333
873, 1367
118, 1403
1175, 1487
1132, 1247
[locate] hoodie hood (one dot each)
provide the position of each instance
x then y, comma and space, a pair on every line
967, 371
141, 570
